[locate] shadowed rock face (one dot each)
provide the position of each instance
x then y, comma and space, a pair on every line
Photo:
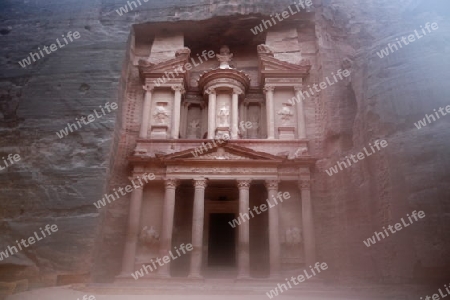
58, 179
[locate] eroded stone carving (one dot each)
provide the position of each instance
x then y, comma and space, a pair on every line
149, 236
224, 57
293, 236
286, 114
161, 115
223, 115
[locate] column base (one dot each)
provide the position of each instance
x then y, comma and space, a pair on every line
243, 277
195, 277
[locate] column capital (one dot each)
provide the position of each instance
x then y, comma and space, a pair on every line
148, 87
178, 88
304, 184
298, 88
272, 184
200, 183
171, 183
244, 183
237, 91
210, 91
269, 88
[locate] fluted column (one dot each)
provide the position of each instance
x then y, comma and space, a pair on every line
270, 112
167, 226
176, 111
134, 217
146, 111
211, 113
234, 114
300, 112
244, 231
197, 228
274, 240
309, 242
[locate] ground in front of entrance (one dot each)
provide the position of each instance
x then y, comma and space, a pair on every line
215, 290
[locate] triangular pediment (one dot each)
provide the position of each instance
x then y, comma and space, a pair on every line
226, 152
149, 69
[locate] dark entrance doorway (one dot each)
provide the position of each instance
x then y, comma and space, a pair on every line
221, 241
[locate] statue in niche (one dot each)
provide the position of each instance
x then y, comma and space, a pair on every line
286, 114
224, 57
149, 236
293, 236
194, 126
253, 130
161, 115
223, 114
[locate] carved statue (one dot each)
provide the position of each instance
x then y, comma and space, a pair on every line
194, 125
224, 57
149, 236
293, 236
161, 115
223, 114
286, 114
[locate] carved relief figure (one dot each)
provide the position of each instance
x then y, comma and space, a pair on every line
161, 115
293, 236
149, 236
194, 126
286, 114
224, 57
223, 114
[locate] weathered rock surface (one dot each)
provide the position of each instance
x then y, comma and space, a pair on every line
57, 180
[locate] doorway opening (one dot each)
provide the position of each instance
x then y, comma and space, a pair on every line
222, 241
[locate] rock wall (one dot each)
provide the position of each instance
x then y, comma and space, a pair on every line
58, 179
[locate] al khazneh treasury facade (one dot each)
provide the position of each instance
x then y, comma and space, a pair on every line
176, 119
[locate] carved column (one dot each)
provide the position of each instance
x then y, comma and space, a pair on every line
234, 114
146, 111
274, 240
300, 113
167, 226
309, 242
197, 228
134, 217
176, 111
184, 115
270, 112
211, 113
244, 231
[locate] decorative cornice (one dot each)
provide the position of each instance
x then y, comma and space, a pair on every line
210, 91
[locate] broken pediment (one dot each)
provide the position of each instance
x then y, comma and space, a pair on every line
212, 151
